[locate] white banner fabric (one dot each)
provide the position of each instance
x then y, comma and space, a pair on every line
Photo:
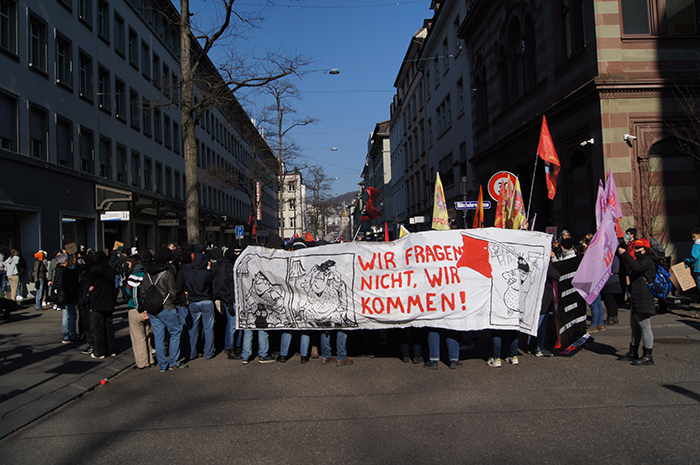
458, 279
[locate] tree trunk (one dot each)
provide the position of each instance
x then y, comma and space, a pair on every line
188, 126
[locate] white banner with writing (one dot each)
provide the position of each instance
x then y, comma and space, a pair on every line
458, 279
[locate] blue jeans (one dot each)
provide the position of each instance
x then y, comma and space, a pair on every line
434, 345
286, 340
597, 312
70, 316
166, 319
232, 338
511, 338
203, 310
39, 293
263, 343
3, 282
341, 351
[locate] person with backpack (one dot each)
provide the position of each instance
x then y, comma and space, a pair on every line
140, 328
158, 304
642, 273
693, 262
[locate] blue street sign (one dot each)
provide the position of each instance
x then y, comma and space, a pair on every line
239, 232
471, 205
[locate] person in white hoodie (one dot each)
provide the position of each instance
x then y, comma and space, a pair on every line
12, 273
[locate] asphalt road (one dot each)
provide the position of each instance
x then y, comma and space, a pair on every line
588, 408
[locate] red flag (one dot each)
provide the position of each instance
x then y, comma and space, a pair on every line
370, 212
309, 237
502, 207
475, 255
546, 152
479, 215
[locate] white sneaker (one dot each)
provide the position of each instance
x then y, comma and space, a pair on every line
512, 360
494, 362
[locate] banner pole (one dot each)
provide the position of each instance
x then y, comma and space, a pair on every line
532, 185
357, 232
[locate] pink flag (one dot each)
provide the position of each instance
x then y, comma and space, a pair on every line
611, 196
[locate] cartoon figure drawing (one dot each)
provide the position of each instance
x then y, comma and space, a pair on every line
264, 304
326, 303
519, 283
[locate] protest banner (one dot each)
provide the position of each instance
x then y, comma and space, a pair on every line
570, 316
455, 279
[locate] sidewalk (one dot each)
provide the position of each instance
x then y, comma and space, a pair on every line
39, 374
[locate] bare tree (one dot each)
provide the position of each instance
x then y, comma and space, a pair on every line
205, 86
687, 129
318, 187
281, 116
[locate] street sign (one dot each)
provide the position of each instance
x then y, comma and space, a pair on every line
212, 228
115, 216
239, 232
471, 205
498, 180
168, 222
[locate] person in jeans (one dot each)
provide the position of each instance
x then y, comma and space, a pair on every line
232, 338
434, 348
158, 274
65, 291
12, 273
341, 351
199, 283
510, 337
693, 262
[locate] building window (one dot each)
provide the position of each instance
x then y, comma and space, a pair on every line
146, 117
427, 85
37, 43
8, 122
159, 178
119, 34
460, 95
291, 187
680, 17
87, 151
38, 132
105, 158
103, 20
156, 71
447, 175
64, 61
135, 169
177, 185
85, 71
168, 182
85, 12
145, 60
120, 99
292, 204
8, 25
175, 87
133, 48
104, 91
64, 142
446, 55
176, 137
157, 125
147, 174
122, 169
572, 15
436, 69
167, 131
635, 17
165, 84
135, 109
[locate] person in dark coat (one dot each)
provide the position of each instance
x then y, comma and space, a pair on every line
233, 340
102, 300
65, 292
84, 318
199, 283
642, 273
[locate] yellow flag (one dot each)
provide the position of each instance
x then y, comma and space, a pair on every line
517, 211
441, 220
403, 232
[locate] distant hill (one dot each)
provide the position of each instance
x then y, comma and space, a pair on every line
348, 198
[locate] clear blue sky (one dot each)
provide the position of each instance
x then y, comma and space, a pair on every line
366, 41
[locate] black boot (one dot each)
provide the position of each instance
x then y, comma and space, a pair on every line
646, 359
630, 356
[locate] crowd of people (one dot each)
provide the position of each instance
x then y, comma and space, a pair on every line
176, 295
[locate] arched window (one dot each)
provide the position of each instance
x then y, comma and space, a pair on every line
530, 53
503, 78
516, 59
480, 93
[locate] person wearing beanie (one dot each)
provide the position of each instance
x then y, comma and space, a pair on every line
140, 327
39, 270
160, 276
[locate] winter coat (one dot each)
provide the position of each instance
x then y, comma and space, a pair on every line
548, 295
226, 288
694, 260
65, 287
180, 285
642, 273
166, 284
39, 270
133, 285
613, 285
199, 281
102, 297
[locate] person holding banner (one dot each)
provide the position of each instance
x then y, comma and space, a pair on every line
693, 262
643, 271
434, 348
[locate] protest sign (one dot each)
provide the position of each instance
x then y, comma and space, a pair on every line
570, 316
455, 279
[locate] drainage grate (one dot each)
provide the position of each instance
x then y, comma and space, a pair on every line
676, 340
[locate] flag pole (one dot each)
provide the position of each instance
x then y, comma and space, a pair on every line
532, 185
356, 233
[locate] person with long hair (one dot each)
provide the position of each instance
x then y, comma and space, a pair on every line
12, 273
642, 272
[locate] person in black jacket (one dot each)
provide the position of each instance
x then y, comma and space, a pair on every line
85, 261
65, 293
199, 283
642, 272
233, 339
102, 300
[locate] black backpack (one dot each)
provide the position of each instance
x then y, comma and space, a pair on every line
152, 301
